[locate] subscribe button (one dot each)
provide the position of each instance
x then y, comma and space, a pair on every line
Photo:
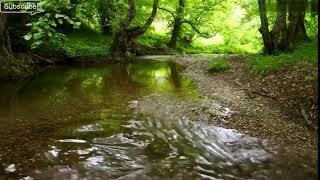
18, 6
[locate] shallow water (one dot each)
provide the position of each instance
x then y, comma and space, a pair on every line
81, 123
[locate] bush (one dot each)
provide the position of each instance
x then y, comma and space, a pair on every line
153, 40
219, 65
82, 44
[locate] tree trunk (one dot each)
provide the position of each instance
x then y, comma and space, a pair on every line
279, 32
177, 25
296, 27
122, 40
175, 33
264, 28
5, 45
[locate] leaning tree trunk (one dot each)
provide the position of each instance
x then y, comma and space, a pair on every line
264, 28
5, 44
122, 40
175, 34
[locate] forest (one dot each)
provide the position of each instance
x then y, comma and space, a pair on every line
164, 89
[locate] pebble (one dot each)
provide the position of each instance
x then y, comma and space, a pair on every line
11, 168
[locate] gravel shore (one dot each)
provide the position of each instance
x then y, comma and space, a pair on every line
258, 116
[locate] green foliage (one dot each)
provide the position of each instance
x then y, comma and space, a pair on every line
80, 44
153, 40
311, 78
44, 27
87, 13
312, 26
219, 65
236, 22
305, 53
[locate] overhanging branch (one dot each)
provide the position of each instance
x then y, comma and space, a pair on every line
205, 35
136, 31
167, 10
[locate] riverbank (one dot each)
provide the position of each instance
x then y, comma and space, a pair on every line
258, 114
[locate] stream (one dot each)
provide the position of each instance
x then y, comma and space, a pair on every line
83, 123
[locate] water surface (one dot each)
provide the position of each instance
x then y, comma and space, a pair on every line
81, 123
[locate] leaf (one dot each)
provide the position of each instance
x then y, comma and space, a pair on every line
29, 24
59, 16
52, 23
27, 37
49, 34
60, 21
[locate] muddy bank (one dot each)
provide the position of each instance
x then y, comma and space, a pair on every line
257, 116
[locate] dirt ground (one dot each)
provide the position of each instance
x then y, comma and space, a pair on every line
256, 104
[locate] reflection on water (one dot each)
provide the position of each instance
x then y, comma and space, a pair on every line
78, 123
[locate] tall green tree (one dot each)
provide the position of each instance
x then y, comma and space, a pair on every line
191, 13
289, 27
125, 34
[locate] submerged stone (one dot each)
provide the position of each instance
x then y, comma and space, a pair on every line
158, 148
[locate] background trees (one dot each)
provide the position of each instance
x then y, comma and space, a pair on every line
197, 26
289, 26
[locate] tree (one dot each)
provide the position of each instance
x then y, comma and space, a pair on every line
284, 35
5, 44
190, 13
125, 35
177, 24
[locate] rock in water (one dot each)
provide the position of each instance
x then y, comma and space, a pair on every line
11, 168
133, 104
158, 148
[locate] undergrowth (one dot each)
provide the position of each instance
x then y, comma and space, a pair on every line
219, 65
304, 53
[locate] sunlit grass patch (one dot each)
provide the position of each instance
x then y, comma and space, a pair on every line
219, 65
304, 53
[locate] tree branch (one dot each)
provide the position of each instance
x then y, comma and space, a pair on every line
131, 11
164, 9
136, 31
205, 35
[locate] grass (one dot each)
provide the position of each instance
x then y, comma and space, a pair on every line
219, 65
305, 53
153, 40
198, 48
81, 44
87, 45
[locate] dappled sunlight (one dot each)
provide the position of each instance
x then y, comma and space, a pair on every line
217, 39
238, 14
160, 26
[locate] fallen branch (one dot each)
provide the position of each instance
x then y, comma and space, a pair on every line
305, 117
42, 58
262, 94
254, 92
246, 89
